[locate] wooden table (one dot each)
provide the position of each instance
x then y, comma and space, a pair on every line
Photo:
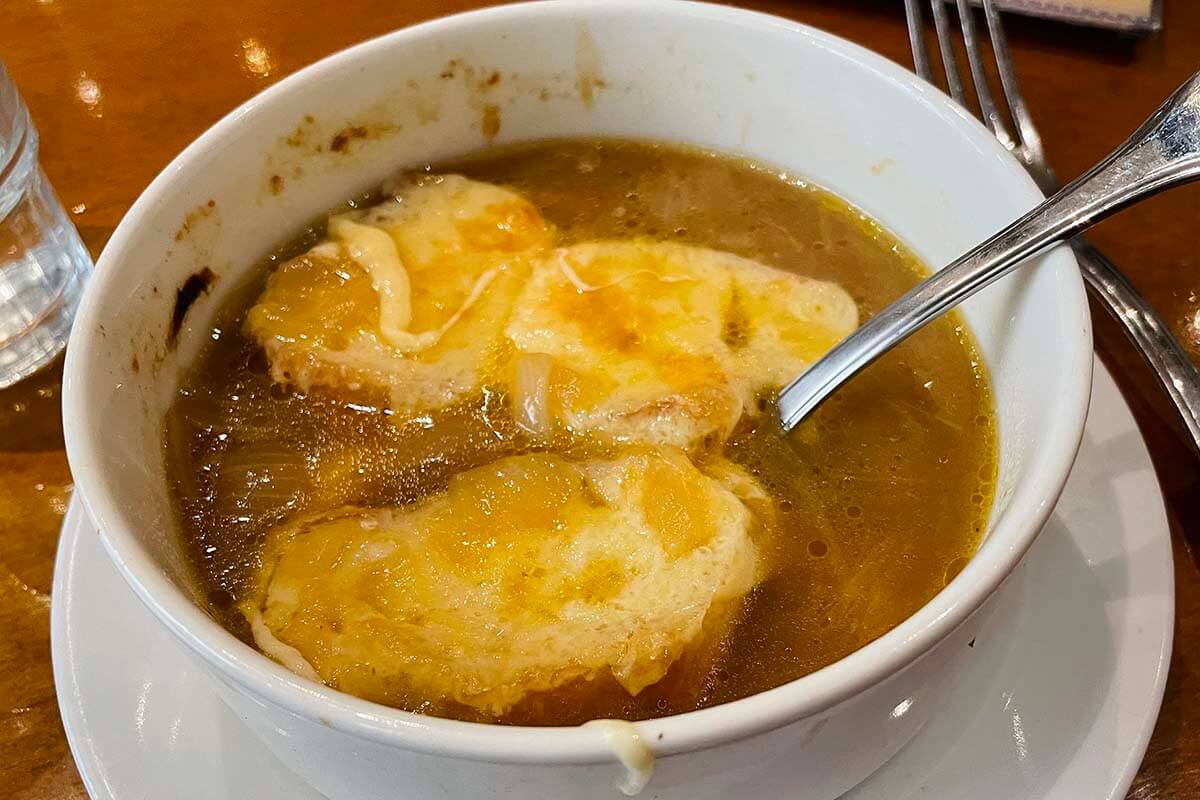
118, 89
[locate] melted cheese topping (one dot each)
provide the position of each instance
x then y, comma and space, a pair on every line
409, 297
375, 251
453, 280
524, 576
631, 751
667, 343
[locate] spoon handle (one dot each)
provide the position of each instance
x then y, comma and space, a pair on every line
1164, 152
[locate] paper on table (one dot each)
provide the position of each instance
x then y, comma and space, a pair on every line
1131, 15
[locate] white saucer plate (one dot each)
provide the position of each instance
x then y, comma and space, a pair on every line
1057, 703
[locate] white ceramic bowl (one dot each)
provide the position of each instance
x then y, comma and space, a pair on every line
738, 81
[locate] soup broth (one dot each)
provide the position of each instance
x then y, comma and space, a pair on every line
879, 498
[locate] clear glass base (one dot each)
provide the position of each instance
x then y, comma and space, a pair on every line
40, 284
43, 263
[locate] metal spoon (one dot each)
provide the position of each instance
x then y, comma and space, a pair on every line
1164, 152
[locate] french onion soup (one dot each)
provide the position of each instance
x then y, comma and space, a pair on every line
498, 443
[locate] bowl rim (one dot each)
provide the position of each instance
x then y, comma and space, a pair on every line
256, 675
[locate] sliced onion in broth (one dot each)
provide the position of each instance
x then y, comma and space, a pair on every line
531, 393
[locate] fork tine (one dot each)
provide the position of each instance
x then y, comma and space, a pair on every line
916, 38
987, 105
1031, 142
949, 62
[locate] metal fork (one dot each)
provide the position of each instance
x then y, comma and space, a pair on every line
1140, 321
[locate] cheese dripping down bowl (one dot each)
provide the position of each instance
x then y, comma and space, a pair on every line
727, 80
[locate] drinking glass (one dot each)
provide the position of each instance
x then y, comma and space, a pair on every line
43, 263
